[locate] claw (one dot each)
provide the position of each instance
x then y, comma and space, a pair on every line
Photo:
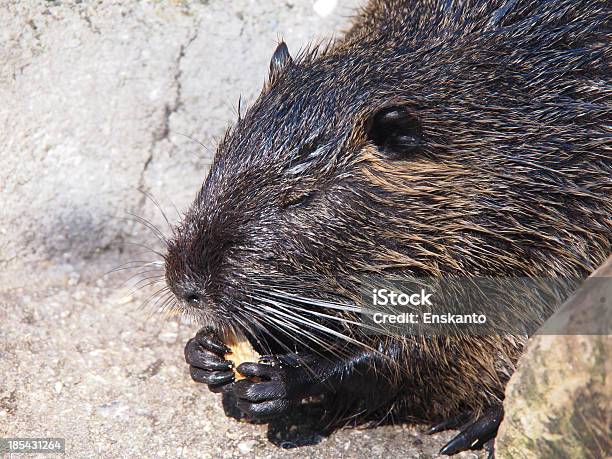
490, 449
476, 434
271, 388
452, 423
207, 363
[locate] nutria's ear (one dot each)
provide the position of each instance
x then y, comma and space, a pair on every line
395, 130
280, 59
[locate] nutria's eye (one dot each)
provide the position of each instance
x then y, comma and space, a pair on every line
298, 201
395, 131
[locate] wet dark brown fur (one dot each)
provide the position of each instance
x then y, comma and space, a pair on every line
499, 165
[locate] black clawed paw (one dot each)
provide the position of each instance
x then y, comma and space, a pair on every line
205, 355
477, 434
266, 392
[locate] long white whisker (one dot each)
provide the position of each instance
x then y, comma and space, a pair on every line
286, 326
338, 319
316, 302
298, 318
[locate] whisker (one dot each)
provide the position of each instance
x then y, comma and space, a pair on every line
196, 141
330, 347
156, 203
244, 322
316, 302
142, 263
316, 326
136, 244
338, 319
290, 326
142, 273
146, 303
136, 287
147, 224
163, 300
282, 325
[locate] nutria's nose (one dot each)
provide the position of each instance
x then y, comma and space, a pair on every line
193, 298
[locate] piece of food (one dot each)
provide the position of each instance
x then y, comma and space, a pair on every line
242, 351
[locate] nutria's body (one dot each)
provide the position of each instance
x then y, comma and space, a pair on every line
435, 139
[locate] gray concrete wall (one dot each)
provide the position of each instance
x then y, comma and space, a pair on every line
102, 99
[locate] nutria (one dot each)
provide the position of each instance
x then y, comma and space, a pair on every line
436, 138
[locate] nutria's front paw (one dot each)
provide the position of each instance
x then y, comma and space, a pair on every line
271, 388
205, 355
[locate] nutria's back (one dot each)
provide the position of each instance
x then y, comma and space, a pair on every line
435, 139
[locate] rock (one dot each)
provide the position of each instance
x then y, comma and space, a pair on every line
57, 387
102, 101
246, 446
558, 402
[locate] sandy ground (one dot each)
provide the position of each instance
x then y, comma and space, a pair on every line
82, 359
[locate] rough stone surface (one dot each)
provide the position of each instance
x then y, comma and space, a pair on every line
558, 403
99, 100
103, 99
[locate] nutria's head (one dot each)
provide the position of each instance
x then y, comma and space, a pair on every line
380, 156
